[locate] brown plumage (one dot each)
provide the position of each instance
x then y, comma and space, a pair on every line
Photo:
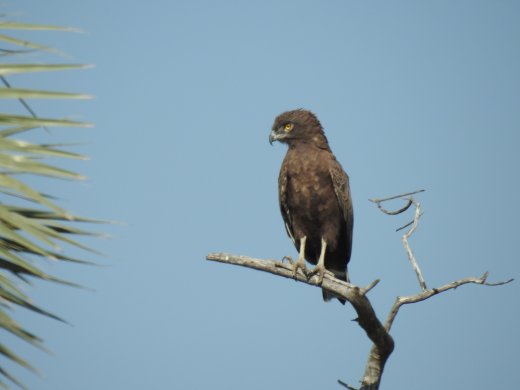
314, 195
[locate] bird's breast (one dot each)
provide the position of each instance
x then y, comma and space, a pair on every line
311, 192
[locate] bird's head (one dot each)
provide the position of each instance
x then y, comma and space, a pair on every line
297, 126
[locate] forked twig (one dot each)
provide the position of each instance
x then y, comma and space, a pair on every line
400, 301
379, 201
409, 201
407, 248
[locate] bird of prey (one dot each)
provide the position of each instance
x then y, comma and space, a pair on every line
314, 196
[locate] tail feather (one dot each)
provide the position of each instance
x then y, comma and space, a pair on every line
341, 275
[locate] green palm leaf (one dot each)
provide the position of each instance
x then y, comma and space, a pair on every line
37, 230
18, 93
26, 44
20, 120
10, 69
7, 25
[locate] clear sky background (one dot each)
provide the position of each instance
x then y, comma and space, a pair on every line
412, 94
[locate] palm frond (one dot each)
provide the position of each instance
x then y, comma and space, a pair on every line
8, 25
36, 230
18, 93
10, 69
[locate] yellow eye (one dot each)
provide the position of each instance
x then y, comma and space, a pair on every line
288, 127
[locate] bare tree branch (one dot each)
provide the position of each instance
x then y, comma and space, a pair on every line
409, 202
408, 224
498, 283
367, 319
346, 385
395, 212
407, 248
400, 301
383, 344
380, 200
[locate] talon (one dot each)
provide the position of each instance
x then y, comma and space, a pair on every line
320, 270
300, 264
289, 259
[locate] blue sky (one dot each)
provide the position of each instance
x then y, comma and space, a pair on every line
412, 94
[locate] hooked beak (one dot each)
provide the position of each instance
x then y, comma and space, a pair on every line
273, 136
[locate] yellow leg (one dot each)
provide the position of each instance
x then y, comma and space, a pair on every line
300, 264
320, 267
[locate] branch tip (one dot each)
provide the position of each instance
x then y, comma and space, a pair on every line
370, 286
498, 283
377, 200
346, 385
409, 223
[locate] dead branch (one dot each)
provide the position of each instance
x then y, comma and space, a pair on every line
426, 293
407, 248
400, 301
409, 202
383, 344
346, 385
367, 319
381, 200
